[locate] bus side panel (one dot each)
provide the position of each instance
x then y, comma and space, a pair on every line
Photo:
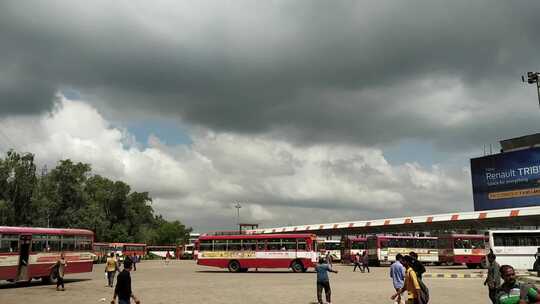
9, 264
221, 263
78, 267
8, 272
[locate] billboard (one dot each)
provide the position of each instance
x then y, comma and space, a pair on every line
506, 180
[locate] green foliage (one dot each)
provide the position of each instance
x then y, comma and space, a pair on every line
71, 196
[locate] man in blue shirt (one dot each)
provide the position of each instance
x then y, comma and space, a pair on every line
323, 281
397, 273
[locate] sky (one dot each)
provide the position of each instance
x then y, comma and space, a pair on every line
302, 111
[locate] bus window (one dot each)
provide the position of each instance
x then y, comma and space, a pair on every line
68, 243
234, 245
302, 244
9, 243
249, 245
39, 245
206, 245
478, 244
289, 244
273, 244
220, 245
261, 245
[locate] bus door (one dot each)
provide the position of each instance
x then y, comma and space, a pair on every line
24, 256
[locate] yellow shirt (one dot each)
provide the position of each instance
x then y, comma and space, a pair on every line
411, 283
111, 264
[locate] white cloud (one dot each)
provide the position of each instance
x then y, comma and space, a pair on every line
277, 182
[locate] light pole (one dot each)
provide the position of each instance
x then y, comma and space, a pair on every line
238, 206
532, 78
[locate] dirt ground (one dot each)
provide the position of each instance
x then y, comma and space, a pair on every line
186, 282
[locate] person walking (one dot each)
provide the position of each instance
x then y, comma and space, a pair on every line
60, 269
411, 284
123, 286
357, 259
365, 261
493, 279
513, 292
111, 267
323, 281
397, 273
417, 266
167, 257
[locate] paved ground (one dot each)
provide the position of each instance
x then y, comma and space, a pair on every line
185, 282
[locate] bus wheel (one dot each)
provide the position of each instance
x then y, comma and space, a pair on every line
471, 265
234, 266
46, 280
297, 266
52, 278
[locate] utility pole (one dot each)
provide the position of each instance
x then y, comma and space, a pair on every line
532, 78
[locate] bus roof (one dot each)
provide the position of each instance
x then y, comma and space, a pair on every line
514, 231
127, 244
462, 236
55, 231
256, 236
402, 237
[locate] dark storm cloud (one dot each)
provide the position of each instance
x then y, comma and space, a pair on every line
311, 71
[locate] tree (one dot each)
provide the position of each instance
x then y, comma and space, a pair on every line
17, 185
71, 196
170, 233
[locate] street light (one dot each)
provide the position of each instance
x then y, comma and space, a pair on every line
532, 78
238, 206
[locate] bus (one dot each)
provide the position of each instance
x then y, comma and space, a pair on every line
468, 249
515, 247
101, 251
28, 253
351, 246
382, 249
332, 247
238, 253
127, 249
175, 251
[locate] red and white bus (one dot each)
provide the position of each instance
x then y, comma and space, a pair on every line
128, 249
382, 249
175, 251
238, 253
28, 253
101, 252
352, 246
468, 249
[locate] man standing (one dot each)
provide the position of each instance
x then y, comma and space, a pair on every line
411, 284
123, 286
357, 262
365, 261
111, 267
513, 292
397, 273
60, 268
416, 265
493, 280
323, 281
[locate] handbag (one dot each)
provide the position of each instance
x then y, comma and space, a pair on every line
423, 294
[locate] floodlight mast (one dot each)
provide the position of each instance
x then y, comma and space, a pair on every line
532, 78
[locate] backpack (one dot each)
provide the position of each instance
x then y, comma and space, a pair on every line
423, 295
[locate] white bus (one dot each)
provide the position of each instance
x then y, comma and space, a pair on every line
332, 246
515, 247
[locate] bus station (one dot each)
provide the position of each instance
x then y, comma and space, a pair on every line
311, 152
